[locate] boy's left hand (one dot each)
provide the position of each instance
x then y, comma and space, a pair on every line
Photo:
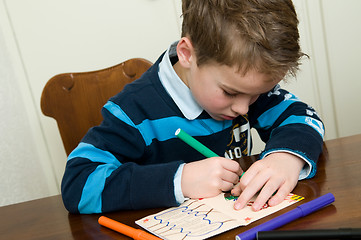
277, 173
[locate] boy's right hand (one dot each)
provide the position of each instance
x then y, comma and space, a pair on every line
209, 177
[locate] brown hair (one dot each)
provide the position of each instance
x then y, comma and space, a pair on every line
249, 34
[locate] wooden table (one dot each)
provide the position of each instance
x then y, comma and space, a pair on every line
339, 172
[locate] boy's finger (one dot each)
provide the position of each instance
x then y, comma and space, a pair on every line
281, 194
250, 175
226, 186
268, 189
248, 191
231, 165
240, 173
230, 177
247, 194
236, 190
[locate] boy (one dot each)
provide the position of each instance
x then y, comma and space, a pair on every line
219, 80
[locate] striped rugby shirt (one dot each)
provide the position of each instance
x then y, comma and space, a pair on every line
130, 160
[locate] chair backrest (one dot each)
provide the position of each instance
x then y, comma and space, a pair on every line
74, 100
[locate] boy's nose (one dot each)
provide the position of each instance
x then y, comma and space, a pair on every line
240, 107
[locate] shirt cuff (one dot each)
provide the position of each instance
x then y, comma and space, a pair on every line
177, 181
306, 170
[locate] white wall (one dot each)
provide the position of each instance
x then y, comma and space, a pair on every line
41, 38
342, 32
25, 170
332, 37
47, 37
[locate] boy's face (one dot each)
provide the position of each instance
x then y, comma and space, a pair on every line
224, 92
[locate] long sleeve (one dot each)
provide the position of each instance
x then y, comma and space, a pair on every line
105, 172
286, 124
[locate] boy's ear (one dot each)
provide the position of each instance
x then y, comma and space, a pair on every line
185, 52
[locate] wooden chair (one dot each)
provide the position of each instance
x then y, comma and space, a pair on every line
74, 100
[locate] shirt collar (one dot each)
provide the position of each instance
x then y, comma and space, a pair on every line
176, 88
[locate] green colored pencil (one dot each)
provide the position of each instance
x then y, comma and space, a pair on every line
194, 143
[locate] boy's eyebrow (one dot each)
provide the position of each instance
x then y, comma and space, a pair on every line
234, 91
230, 89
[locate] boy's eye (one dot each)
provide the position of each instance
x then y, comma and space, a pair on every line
228, 94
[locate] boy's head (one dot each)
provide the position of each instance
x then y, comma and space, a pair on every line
259, 35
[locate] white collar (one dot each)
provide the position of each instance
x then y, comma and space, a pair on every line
176, 88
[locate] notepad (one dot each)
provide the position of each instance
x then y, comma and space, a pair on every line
203, 218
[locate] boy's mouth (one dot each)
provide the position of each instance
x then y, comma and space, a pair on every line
225, 117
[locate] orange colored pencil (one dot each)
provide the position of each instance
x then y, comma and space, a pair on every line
134, 233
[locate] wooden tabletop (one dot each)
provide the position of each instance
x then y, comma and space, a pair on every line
339, 171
